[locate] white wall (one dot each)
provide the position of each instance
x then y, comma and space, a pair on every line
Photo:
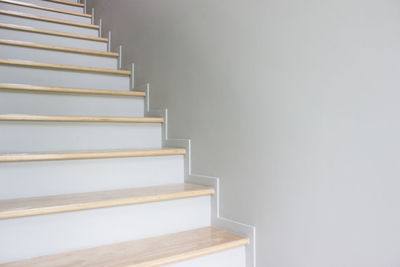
294, 104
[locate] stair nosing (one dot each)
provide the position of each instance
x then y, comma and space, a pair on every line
51, 156
47, 19
51, 89
24, 4
32, 64
55, 33
58, 118
58, 48
31, 206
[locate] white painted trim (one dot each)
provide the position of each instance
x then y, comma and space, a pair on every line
120, 57
132, 78
236, 227
109, 42
84, 6
92, 15
100, 26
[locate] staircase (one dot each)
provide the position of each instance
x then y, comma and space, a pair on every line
88, 176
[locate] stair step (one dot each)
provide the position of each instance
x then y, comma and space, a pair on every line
50, 89
41, 18
31, 64
35, 134
90, 155
24, 4
40, 36
47, 23
43, 11
64, 5
13, 208
59, 177
43, 118
59, 48
155, 251
49, 32
45, 100
26, 51
35, 236
49, 74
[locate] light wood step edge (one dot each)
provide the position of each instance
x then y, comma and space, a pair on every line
23, 87
58, 48
31, 64
46, 19
43, 118
18, 3
66, 3
154, 251
22, 207
48, 32
19, 157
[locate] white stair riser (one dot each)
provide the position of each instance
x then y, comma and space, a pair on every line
45, 13
63, 78
29, 179
47, 39
44, 25
24, 137
24, 102
235, 257
55, 5
42, 235
57, 57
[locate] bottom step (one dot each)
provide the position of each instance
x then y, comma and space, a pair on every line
155, 251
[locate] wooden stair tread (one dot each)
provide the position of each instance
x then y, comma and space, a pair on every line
49, 32
19, 157
66, 3
59, 48
24, 4
47, 19
21, 207
154, 251
23, 63
47, 118
52, 89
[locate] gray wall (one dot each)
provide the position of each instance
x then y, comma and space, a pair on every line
294, 104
